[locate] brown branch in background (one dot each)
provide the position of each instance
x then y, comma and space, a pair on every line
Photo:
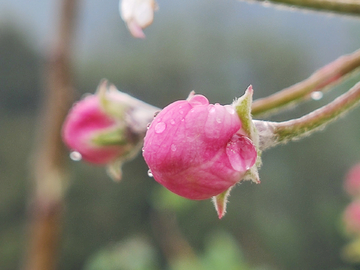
171, 241
50, 155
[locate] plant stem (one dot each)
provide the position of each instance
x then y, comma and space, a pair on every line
323, 78
50, 154
350, 7
297, 128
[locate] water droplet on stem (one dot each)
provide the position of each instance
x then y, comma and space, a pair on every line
317, 95
75, 156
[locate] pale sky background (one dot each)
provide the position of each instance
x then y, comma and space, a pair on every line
330, 34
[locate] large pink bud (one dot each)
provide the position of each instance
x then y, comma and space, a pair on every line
196, 149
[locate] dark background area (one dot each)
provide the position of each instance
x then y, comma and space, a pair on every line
217, 48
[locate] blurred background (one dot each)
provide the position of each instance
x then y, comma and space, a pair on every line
217, 48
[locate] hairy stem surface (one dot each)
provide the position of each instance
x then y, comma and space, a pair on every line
323, 78
351, 7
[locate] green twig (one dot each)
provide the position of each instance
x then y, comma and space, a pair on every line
350, 7
322, 79
297, 128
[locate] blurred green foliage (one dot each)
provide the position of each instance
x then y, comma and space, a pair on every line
133, 254
19, 74
290, 221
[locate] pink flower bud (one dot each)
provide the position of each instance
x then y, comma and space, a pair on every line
84, 122
352, 181
107, 128
352, 218
196, 149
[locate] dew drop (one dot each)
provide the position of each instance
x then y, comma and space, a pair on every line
211, 109
317, 95
172, 121
75, 156
160, 127
149, 173
156, 113
181, 112
230, 109
197, 100
241, 153
212, 128
148, 125
173, 147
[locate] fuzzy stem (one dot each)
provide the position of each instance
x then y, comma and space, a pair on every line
350, 7
297, 128
323, 78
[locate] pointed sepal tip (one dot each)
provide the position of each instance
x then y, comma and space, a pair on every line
220, 202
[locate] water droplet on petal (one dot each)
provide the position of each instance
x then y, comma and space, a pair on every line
149, 173
173, 147
211, 109
160, 127
241, 153
197, 100
317, 95
156, 113
212, 128
230, 109
181, 112
75, 156
148, 125
172, 121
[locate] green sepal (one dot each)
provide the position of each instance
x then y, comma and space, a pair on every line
113, 108
114, 170
110, 137
220, 202
243, 108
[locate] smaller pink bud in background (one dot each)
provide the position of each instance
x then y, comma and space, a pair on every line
198, 150
352, 218
138, 14
352, 181
107, 128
